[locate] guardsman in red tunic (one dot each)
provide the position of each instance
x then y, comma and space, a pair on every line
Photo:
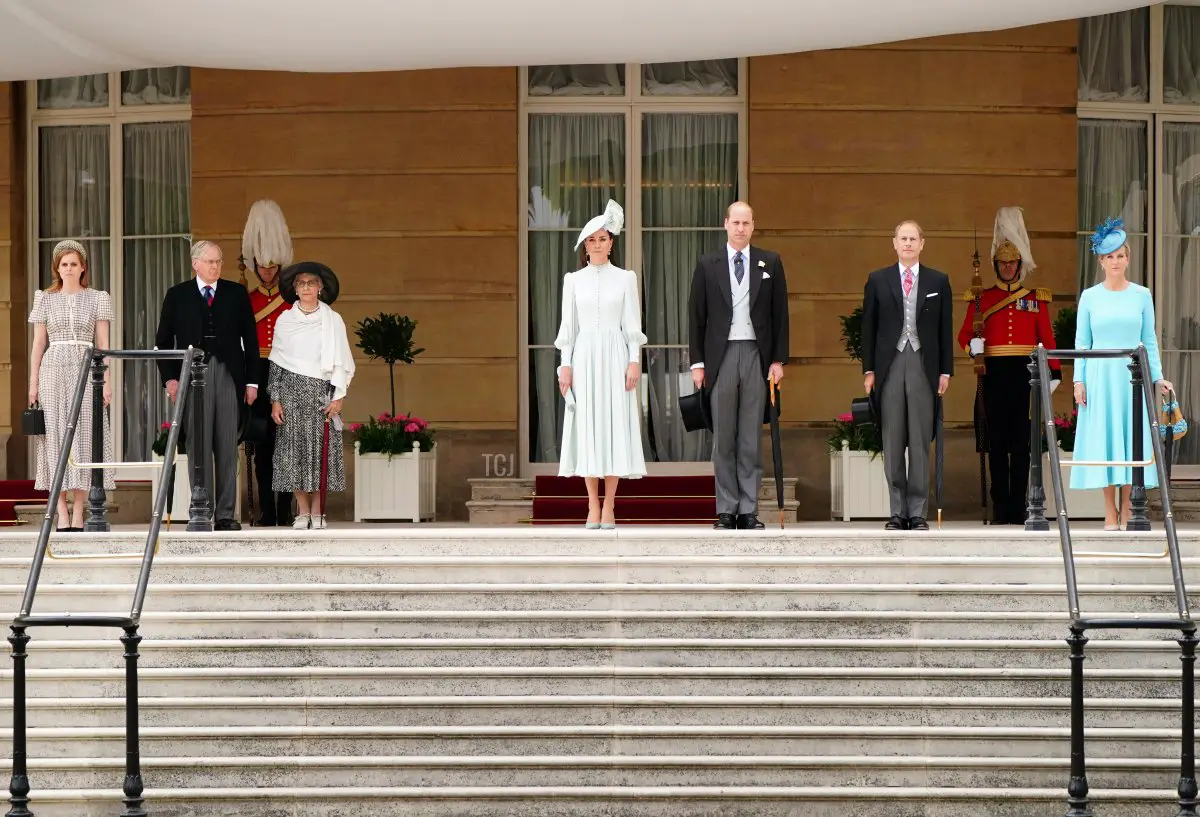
1015, 319
266, 248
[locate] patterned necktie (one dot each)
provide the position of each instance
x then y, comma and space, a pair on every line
208, 295
738, 271
908, 282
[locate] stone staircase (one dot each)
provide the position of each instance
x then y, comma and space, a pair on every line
821, 670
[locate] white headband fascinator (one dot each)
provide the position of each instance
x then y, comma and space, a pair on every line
613, 219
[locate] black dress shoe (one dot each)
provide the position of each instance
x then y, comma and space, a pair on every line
227, 524
917, 523
748, 521
896, 523
266, 522
725, 521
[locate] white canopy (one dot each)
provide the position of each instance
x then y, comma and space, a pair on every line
42, 39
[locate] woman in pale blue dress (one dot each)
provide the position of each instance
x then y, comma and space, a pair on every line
1114, 314
601, 341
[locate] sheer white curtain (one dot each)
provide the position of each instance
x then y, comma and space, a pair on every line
1179, 300
1114, 57
697, 78
157, 86
577, 80
73, 197
576, 164
156, 256
89, 91
1181, 55
689, 177
1112, 178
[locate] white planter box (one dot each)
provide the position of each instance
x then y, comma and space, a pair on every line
858, 485
402, 486
181, 500
1080, 504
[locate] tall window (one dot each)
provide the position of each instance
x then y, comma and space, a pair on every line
113, 170
664, 141
1139, 158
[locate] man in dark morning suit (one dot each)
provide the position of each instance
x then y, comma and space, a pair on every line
215, 315
908, 358
738, 336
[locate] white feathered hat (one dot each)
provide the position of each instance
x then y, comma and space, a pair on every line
266, 240
1010, 241
612, 219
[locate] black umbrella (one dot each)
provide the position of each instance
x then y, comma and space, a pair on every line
938, 456
776, 447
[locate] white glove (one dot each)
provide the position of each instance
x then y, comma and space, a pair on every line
1054, 385
976, 346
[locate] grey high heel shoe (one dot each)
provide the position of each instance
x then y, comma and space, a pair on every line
591, 525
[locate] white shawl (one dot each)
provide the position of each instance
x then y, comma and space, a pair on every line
314, 346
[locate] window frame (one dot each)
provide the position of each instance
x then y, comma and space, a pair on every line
115, 116
632, 105
1156, 112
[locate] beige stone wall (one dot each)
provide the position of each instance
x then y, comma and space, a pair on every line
405, 184
844, 144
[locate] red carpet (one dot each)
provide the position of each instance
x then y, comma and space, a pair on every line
646, 501
14, 492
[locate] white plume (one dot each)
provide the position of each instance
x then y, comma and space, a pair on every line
266, 237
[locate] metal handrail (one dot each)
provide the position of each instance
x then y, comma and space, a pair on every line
192, 377
1042, 412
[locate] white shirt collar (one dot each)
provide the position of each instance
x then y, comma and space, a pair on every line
916, 268
730, 252
201, 285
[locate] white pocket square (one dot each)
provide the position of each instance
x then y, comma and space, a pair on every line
931, 295
766, 275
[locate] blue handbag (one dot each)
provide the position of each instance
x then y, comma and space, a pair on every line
1171, 420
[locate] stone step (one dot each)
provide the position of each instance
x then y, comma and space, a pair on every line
609, 801
571, 740
520, 652
835, 540
604, 770
593, 710
1131, 599
640, 569
328, 681
592, 624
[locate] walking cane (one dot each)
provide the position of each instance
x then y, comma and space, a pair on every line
324, 467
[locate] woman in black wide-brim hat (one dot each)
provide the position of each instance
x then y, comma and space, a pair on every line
311, 369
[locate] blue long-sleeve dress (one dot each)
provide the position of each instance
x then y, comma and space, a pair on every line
1109, 319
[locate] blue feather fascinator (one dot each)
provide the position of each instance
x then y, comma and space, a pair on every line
1109, 237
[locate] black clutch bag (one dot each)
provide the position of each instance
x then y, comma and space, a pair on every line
33, 421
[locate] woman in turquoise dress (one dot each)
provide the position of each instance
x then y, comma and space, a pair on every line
1113, 314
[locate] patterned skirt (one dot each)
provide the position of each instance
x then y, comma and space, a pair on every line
298, 439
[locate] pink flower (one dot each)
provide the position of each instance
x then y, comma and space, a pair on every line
385, 417
354, 427
164, 426
412, 428
845, 418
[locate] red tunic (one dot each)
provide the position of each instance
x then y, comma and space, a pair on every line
268, 305
1012, 330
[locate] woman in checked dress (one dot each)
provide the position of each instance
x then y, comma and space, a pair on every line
601, 341
67, 318
311, 368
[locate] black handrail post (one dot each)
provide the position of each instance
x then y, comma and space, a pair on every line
18, 784
1036, 509
199, 451
97, 521
1187, 755
133, 787
1077, 788
1139, 508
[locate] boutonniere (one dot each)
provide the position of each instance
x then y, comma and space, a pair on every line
762, 264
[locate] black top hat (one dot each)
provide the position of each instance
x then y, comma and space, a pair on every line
863, 410
695, 410
329, 281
